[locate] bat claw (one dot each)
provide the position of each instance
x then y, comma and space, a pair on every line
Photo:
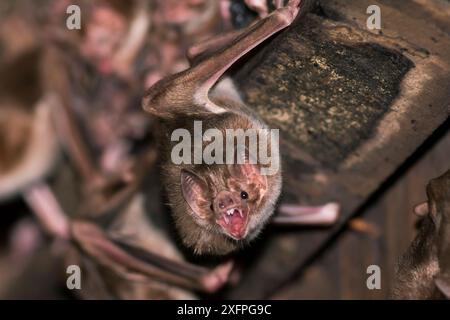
294, 6
290, 11
280, 3
261, 7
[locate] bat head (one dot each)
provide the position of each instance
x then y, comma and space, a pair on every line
228, 200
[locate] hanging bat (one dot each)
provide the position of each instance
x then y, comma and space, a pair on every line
92, 76
217, 208
29, 141
423, 272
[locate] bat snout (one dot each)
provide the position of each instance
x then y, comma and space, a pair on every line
232, 217
226, 200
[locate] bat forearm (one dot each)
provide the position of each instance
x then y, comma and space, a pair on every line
171, 96
203, 50
56, 82
210, 70
47, 209
75, 146
119, 255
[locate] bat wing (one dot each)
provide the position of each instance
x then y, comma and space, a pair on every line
128, 260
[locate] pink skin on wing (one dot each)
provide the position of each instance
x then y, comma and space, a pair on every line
308, 215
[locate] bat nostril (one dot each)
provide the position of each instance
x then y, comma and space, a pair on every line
221, 205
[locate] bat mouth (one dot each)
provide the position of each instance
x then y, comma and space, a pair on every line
234, 222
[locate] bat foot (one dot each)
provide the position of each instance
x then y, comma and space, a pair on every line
325, 215
421, 209
217, 277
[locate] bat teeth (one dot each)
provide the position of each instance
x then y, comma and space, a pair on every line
227, 220
230, 212
241, 214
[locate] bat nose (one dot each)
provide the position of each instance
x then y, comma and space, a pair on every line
226, 200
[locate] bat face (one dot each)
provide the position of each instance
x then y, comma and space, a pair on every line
219, 207
228, 198
231, 211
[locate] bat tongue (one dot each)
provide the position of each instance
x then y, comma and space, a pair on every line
234, 221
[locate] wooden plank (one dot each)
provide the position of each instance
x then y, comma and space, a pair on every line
391, 214
351, 106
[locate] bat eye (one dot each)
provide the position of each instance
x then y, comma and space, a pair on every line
244, 195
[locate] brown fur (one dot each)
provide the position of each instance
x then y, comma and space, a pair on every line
207, 237
418, 266
423, 271
15, 126
28, 143
28, 147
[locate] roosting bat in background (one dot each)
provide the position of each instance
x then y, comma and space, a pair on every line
217, 208
423, 271
131, 265
29, 146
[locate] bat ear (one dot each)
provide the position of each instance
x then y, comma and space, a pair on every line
194, 192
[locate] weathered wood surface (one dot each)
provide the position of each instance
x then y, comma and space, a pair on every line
389, 227
351, 106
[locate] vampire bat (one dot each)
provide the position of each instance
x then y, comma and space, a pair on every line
423, 272
217, 208
93, 76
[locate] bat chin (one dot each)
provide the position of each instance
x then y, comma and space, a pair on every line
234, 222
